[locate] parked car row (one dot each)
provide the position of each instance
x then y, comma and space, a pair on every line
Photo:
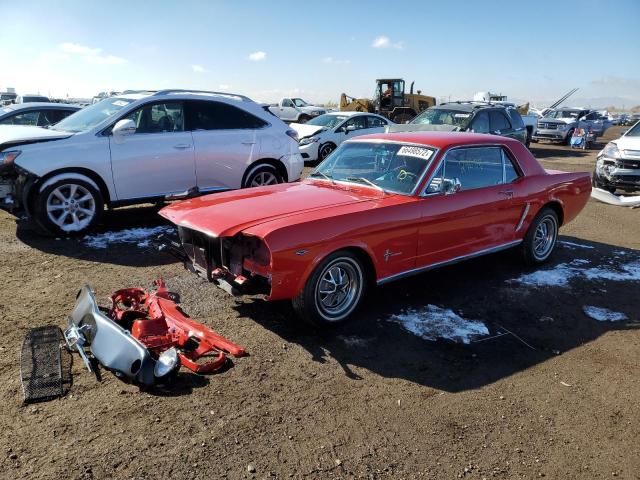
558, 125
40, 114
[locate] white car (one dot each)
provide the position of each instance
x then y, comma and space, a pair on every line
295, 110
139, 147
322, 135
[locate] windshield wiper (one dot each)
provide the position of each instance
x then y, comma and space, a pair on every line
318, 173
367, 181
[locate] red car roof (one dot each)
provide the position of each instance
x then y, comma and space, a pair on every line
440, 139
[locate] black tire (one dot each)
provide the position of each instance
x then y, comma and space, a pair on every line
261, 175
82, 197
303, 119
318, 311
567, 139
325, 150
540, 240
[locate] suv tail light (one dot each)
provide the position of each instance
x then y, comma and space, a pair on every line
293, 134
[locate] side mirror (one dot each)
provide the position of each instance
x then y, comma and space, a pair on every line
451, 185
350, 128
123, 128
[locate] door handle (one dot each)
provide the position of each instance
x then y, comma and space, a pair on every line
508, 193
182, 146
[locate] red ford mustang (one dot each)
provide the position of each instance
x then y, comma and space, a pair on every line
379, 208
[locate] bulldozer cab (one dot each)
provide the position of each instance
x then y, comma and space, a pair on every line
389, 94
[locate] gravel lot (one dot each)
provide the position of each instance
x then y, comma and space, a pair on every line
549, 392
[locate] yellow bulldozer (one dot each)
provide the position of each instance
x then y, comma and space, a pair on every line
390, 101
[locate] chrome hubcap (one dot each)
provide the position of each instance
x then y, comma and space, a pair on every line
339, 289
71, 207
544, 238
264, 178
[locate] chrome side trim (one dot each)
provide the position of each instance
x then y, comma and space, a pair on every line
524, 215
479, 253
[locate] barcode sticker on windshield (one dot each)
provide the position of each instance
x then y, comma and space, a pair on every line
416, 152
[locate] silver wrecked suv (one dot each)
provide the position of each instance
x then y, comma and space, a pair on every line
138, 147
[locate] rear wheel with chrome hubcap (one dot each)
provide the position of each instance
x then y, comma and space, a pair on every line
539, 242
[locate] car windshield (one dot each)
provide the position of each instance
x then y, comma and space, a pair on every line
327, 121
298, 102
443, 116
634, 131
92, 115
563, 114
390, 167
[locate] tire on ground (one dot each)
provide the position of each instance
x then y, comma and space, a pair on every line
341, 274
541, 237
68, 207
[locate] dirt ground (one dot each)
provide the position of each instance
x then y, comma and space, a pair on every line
559, 399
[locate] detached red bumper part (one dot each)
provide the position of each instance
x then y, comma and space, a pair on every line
160, 324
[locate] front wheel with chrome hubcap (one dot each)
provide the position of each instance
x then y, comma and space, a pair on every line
333, 291
539, 242
263, 175
68, 207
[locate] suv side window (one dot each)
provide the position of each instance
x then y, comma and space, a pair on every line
375, 122
204, 115
480, 123
158, 118
27, 118
499, 122
516, 119
474, 167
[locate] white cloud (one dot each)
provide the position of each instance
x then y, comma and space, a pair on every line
335, 61
385, 42
257, 56
75, 48
104, 60
89, 54
198, 68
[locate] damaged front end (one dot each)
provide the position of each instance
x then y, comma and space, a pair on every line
15, 183
239, 265
618, 169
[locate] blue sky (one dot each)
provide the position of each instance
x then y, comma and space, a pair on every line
529, 50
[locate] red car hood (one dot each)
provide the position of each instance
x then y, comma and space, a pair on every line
225, 214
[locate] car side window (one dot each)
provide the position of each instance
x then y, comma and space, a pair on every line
287, 103
359, 122
220, 116
375, 122
510, 171
499, 122
27, 118
474, 167
480, 123
158, 118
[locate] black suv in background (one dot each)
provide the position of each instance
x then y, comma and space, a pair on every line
470, 116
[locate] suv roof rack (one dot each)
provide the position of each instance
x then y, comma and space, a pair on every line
127, 92
477, 103
224, 94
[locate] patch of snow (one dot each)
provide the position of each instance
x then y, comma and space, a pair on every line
575, 245
603, 314
139, 236
432, 322
563, 273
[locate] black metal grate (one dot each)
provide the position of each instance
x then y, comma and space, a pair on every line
45, 364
